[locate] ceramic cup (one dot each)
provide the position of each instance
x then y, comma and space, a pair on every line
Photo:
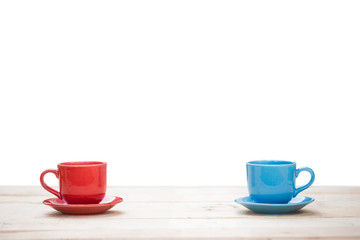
80, 182
273, 181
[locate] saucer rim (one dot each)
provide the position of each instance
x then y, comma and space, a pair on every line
309, 200
113, 202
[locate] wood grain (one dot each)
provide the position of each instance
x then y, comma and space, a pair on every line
180, 213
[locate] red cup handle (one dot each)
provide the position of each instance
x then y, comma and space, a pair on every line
44, 185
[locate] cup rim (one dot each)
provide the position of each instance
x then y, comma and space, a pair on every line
270, 163
81, 164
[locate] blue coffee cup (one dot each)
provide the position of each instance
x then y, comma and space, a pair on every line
273, 181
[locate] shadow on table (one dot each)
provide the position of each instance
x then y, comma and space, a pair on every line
301, 212
56, 214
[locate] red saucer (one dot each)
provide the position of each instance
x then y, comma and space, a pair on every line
83, 209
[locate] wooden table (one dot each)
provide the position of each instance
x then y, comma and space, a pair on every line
180, 213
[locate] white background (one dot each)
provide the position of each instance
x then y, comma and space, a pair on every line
179, 92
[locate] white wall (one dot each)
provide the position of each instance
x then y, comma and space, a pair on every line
179, 92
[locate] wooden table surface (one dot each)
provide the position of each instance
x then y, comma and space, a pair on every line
180, 213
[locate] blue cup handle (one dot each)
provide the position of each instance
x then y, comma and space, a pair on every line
309, 170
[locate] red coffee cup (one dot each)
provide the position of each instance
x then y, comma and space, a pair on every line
80, 182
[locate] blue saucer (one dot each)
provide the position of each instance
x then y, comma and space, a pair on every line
272, 208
